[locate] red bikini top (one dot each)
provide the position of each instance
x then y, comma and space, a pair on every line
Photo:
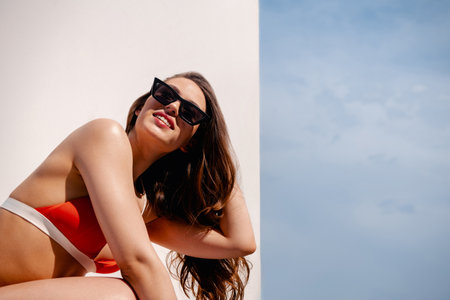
77, 221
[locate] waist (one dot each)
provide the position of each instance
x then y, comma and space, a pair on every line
69, 225
29, 254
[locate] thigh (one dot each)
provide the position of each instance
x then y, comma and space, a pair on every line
69, 288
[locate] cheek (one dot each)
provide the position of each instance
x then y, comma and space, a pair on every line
187, 132
151, 103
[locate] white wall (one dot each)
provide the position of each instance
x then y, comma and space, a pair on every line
63, 63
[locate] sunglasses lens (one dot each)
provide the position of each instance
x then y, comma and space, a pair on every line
163, 94
190, 113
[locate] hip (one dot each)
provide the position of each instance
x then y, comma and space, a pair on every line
29, 254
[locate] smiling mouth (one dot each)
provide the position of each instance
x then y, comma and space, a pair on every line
164, 120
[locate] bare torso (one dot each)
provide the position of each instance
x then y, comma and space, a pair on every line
26, 252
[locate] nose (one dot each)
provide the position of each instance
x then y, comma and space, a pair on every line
173, 108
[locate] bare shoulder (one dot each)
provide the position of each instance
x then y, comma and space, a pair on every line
100, 136
101, 128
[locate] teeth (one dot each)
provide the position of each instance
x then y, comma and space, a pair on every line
164, 120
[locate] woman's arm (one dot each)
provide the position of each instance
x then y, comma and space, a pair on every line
235, 239
103, 156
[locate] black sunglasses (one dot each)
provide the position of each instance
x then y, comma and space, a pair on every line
188, 111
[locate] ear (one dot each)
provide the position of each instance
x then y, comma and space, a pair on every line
137, 112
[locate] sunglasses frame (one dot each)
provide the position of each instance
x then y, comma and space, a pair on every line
183, 102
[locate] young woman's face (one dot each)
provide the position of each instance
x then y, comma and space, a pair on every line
162, 123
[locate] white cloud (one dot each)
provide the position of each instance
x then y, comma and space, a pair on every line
419, 88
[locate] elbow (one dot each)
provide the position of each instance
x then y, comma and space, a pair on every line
248, 247
251, 248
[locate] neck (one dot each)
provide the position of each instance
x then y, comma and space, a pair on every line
144, 155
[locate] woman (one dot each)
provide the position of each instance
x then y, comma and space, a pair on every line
168, 178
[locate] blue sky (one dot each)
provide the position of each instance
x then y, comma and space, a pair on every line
355, 149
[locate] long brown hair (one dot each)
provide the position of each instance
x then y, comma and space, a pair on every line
194, 186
